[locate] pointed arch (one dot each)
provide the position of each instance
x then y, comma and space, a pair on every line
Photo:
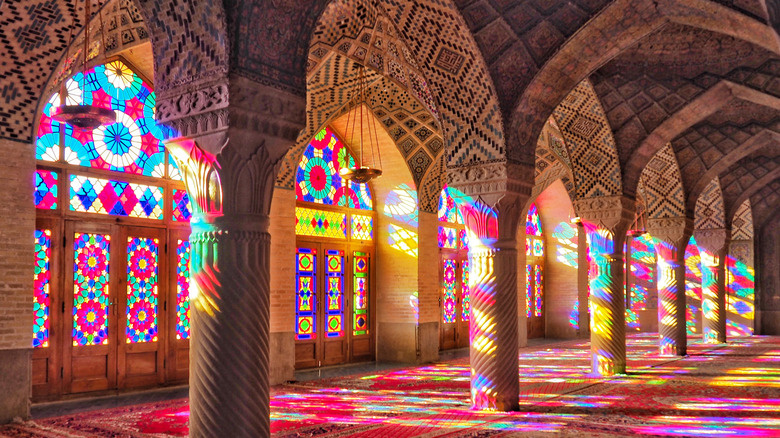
710, 212
662, 186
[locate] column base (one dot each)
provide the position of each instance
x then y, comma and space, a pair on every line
15, 384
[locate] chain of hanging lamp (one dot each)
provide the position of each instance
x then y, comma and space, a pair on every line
361, 173
86, 117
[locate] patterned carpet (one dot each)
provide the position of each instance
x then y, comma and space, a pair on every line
720, 391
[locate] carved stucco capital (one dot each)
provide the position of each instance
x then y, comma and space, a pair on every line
492, 181
676, 231
613, 213
713, 240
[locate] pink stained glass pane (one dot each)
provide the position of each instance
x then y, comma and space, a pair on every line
90, 289
533, 223
465, 293
448, 209
529, 290
182, 209
41, 299
46, 189
448, 238
538, 290
448, 290
142, 267
183, 290
102, 196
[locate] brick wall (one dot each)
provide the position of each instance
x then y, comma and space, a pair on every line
17, 224
282, 231
561, 291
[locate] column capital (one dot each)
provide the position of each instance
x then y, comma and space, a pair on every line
492, 181
613, 213
675, 231
714, 240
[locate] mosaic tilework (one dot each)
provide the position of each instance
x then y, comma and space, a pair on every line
742, 224
33, 34
462, 88
765, 202
662, 186
709, 212
589, 140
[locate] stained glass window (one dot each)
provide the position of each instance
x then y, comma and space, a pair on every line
361, 293
448, 210
306, 303
96, 195
334, 318
46, 189
463, 236
183, 289
362, 227
132, 144
320, 223
529, 290
41, 300
182, 210
318, 179
142, 262
90, 288
449, 284
448, 238
465, 292
538, 290
533, 223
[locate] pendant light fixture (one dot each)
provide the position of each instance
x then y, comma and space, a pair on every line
367, 134
86, 117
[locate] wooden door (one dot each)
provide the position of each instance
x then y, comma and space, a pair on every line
333, 304
454, 323
48, 309
141, 298
90, 296
178, 307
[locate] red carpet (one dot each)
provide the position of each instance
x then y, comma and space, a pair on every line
728, 391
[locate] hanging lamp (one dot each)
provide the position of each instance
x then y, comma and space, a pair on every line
86, 117
362, 173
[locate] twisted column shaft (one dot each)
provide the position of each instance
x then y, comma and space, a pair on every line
713, 288
229, 363
671, 299
607, 302
493, 329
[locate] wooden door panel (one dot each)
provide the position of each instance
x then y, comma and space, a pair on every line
143, 289
90, 298
48, 309
177, 307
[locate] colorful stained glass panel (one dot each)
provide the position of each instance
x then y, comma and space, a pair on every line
538, 290
182, 209
102, 196
449, 282
362, 227
465, 292
335, 293
318, 179
360, 270
142, 263
183, 289
448, 238
448, 209
533, 223
46, 189
306, 302
132, 144
90, 289
41, 298
537, 247
529, 290
320, 223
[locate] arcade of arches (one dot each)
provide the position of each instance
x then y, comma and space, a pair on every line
560, 169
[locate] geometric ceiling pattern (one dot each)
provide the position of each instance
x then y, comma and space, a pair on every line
552, 161
588, 138
742, 224
710, 212
662, 187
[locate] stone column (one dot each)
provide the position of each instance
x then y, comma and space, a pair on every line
228, 150
714, 244
671, 239
491, 200
606, 220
